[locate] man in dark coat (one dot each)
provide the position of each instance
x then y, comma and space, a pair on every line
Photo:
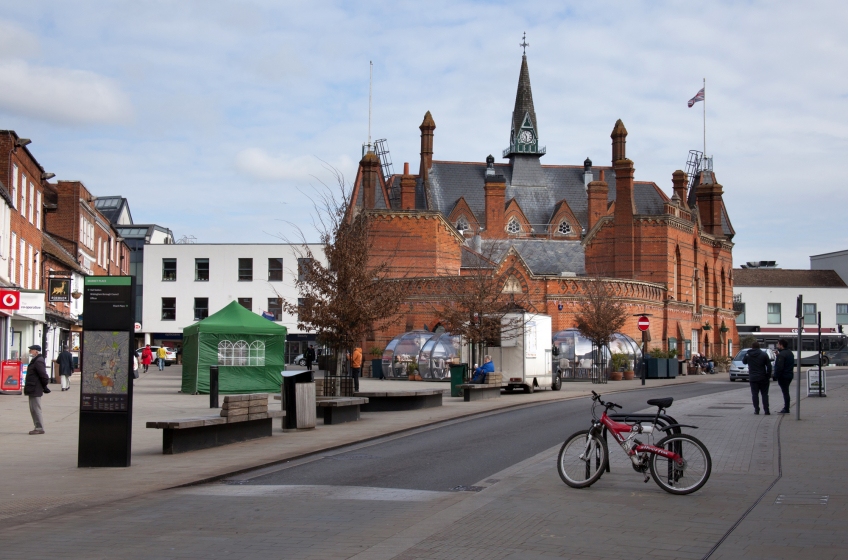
759, 373
35, 385
309, 357
66, 368
784, 364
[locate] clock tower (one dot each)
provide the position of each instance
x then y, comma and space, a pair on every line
524, 134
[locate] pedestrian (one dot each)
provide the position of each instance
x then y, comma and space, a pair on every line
481, 372
35, 385
356, 367
135, 365
309, 357
66, 367
146, 357
784, 364
759, 373
161, 354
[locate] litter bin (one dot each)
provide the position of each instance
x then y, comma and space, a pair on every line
458, 373
298, 389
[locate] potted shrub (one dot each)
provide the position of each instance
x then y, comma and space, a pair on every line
618, 363
722, 363
376, 361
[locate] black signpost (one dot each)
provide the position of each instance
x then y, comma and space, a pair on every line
106, 361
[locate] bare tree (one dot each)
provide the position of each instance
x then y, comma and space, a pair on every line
600, 314
343, 299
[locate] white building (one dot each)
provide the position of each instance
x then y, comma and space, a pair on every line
837, 261
765, 299
184, 283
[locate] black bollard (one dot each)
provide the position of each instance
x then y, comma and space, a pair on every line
213, 387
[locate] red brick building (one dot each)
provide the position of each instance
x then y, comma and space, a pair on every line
555, 226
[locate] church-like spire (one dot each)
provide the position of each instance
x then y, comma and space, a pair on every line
524, 134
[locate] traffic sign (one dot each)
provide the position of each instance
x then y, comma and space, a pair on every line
643, 323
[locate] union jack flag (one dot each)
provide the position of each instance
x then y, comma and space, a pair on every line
698, 97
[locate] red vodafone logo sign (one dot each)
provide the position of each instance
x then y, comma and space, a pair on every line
643, 323
10, 300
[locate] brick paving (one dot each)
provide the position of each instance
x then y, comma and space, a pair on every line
524, 512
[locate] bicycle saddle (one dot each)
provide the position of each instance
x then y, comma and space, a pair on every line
662, 403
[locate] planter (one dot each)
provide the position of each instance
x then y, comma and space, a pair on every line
616, 376
629, 375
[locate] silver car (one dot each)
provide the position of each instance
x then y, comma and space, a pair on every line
738, 370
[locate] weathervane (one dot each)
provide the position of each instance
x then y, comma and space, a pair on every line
524, 44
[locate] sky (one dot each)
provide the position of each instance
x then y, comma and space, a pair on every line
218, 119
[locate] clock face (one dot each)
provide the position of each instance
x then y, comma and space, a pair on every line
525, 137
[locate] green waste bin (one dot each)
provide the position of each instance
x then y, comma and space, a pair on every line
458, 372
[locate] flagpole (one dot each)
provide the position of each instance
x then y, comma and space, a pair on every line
705, 118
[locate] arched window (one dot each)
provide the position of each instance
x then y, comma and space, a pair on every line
241, 353
564, 228
462, 225
513, 227
257, 354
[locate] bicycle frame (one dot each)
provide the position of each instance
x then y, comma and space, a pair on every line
618, 429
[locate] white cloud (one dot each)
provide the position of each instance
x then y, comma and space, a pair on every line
60, 95
16, 42
259, 164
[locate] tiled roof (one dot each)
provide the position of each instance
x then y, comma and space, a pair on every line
52, 247
544, 257
778, 277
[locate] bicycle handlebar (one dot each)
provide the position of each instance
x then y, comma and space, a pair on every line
597, 397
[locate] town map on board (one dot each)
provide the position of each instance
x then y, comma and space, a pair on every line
105, 370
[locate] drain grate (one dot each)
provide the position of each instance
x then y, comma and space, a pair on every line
801, 500
467, 488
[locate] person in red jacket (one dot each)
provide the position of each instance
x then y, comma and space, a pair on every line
146, 357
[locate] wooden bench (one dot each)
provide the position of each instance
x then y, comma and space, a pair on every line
238, 421
390, 401
337, 410
480, 392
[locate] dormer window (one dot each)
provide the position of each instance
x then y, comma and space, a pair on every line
513, 227
462, 225
564, 228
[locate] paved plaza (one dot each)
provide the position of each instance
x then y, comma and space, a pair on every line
789, 474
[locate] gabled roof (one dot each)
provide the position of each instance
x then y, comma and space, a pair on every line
544, 257
785, 278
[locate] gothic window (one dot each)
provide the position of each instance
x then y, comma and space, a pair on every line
564, 228
513, 227
462, 225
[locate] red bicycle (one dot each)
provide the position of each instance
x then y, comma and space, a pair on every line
679, 463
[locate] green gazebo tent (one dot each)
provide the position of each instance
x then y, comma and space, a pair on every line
248, 349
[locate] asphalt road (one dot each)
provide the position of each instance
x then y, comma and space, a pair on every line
468, 451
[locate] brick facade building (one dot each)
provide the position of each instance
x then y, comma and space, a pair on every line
554, 227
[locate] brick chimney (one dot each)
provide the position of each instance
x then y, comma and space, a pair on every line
370, 165
625, 208
407, 189
495, 190
598, 194
709, 197
678, 179
427, 127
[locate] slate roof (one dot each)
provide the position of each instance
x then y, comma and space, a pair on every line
779, 278
54, 249
379, 200
523, 100
544, 257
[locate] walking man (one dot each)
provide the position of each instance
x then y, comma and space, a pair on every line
356, 367
161, 354
309, 357
35, 385
784, 364
759, 373
66, 367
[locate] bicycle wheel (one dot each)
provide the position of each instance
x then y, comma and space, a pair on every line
582, 459
688, 477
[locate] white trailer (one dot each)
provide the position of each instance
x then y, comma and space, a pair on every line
524, 356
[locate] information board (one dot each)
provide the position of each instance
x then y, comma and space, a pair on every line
108, 303
105, 375
814, 376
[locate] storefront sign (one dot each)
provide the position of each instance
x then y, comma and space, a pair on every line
59, 290
10, 300
32, 305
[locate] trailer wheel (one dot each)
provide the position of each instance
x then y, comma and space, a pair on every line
557, 384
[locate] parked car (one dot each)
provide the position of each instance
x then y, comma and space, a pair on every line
301, 361
738, 370
170, 354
